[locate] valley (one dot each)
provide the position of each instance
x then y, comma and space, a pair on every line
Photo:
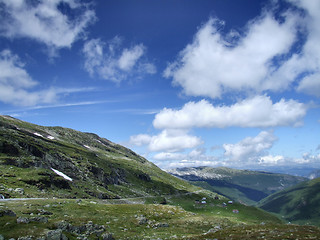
248, 187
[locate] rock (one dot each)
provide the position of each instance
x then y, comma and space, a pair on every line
92, 228
158, 225
44, 212
142, 220
39, 219
23, 220
64, 226
107, 236
19, 190
7, 212
25, 238
56, 235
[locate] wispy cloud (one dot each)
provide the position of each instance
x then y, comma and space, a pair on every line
110, 62
15, 83
18, 88
19, 111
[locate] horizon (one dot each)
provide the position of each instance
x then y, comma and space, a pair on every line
183, 84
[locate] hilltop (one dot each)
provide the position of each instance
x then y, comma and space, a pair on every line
244, 186
65, 163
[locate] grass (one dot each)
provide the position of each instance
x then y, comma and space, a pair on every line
182, 220
298, 204
122, 219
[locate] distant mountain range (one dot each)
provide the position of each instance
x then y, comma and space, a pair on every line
244, 186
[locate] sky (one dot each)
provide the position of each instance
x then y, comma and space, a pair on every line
183, 83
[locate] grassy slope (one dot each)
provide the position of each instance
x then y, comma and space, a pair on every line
298, 204
185, 219
98, 167
136, 177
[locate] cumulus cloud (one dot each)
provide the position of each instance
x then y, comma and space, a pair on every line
258, 111
110, 62
167, 140
45, 21
271, 55
308, 62
271, 160
250, 148
214, 63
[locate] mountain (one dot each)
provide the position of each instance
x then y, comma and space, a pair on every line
60, 183
65, 163
244, 186
298, 204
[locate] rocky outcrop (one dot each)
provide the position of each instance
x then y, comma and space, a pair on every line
86, 230
7, 212
56, 235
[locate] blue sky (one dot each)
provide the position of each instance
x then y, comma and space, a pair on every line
183, 83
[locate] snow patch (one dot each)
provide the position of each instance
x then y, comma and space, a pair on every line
38, 134
312, 176
50, 137
62, 174
86, 146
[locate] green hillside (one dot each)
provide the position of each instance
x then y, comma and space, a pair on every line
298, 204
29, 154
244, 186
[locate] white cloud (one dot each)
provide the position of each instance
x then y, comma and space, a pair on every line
110, 62
214, 64
310, 84
168, 140
304, 64
195, 154
258, 111
169, 156
129, 57
271, 160
16, 85
140, 140
43, 21
249, 148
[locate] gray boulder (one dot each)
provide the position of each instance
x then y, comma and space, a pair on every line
23, 220
7, 212
56, 235
25, 238
107, 236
